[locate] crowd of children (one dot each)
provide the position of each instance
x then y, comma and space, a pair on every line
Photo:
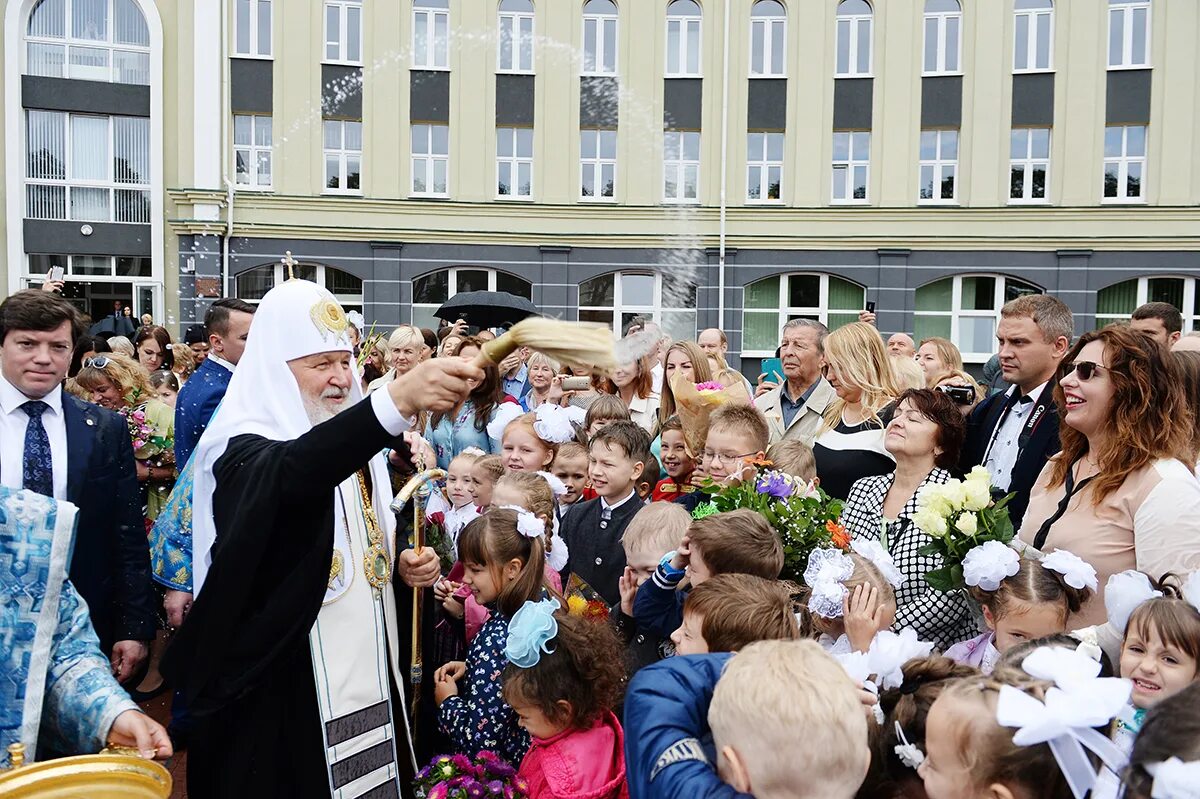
608, 644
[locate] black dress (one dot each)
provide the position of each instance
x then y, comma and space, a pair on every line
848, 453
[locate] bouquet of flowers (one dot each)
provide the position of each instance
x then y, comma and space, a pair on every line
582, 600
805, 517
695, 402
960, 515
458, 777
147, 440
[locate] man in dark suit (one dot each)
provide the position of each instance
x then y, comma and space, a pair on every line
1013, 433
57, 445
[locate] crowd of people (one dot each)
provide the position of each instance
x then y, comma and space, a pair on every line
584, 612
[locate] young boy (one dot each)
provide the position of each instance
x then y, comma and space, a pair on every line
571, 466
736, 434
678, 464
731, 611
649, 478
655, 530
593, 529
735, 542
792, 456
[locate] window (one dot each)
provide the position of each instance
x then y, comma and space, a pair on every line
683, 39
614, 299
851, 165
430, 160
343, 156
853, 39
1033, 36
252, 28
768, 39
1030, 165
516, 36
770, 303
939, 163
1124, 163
343, 31
1118, 302
681, 166
252, 151
433, 289
764, 166
431, 34
597, 164
599, 37
966, 310
101, 40
943, 37
253, 285
1128, 34
92, 266
514, 163
87, 168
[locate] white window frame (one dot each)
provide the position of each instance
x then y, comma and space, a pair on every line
347, 301
1126, 9
343, 155
679, 26
514, 163
252, 152
430, 158
1123, 162
854, 21
510, 22
768, 23
342, 42
843, 170
437, 51
596, 165
956, 313
785, 313
677, 169
942, 18
1191, 321
939, 165
1031, 17
67, 42
68, 183
1027, 163
600, 23
452, 285
761, 163
252, 39
653, 312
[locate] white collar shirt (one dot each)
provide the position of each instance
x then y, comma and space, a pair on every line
219, 361
13, 423
1005, 446
606, 509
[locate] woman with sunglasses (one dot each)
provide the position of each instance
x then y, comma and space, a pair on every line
1122, 493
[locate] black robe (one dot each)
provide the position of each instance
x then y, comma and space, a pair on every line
242, 657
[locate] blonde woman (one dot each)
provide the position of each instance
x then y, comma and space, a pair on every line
849, 445
543, 377
407, 348
937, 356
687, 359
906, 372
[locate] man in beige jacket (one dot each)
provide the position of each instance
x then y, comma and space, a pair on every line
794, 410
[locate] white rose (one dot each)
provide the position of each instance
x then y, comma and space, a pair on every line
933, 498
978, 495
968, 523
931, 523
956, 495
980, 474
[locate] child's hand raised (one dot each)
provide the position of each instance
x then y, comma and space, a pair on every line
862, 614
629, 588
682, 555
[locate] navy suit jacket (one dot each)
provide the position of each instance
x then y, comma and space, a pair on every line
195, 405
110, 561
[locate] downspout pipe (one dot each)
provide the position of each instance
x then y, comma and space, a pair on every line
724, 165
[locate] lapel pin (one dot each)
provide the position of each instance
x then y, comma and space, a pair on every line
91, 422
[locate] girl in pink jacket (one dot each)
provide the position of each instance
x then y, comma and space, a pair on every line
564, 677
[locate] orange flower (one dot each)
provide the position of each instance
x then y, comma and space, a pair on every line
763, 462
838, 535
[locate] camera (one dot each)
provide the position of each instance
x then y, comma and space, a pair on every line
962, 395
576, 383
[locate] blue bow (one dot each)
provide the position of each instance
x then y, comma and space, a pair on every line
530, 632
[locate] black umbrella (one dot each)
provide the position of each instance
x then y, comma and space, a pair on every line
486, 308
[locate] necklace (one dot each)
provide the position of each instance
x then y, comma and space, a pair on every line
376, 563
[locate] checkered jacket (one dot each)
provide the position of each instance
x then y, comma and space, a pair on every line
944, 619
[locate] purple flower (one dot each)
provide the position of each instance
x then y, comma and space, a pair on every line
495, 787
775, 485
461, 762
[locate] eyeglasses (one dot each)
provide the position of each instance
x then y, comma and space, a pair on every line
708, 456
97, 361
1085, 369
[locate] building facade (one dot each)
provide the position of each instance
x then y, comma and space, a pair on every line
726, 163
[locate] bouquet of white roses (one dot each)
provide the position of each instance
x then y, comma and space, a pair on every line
960, 515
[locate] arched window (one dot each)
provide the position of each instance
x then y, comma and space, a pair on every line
599, 37
768, 39
515, 53
1033, 35
966, 310
433, 289
1117, 302
253, 284
854, 38
769, 303
683, 39
943, 37
101, 40
616, 298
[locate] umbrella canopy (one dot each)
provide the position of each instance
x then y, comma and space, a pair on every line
486, 308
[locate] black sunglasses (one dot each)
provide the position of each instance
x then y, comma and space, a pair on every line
1085, 369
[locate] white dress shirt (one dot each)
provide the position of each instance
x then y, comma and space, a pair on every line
219, 361
1005, 444
606, 509
14, 421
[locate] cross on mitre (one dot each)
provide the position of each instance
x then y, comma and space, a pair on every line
290, 263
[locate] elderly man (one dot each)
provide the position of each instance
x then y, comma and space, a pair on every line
713, 341
901, 345
290, 656
795, 409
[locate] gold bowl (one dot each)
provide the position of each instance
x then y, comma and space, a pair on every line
102, 776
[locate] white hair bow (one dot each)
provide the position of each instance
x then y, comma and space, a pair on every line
909, 753
1062, 666
557, 487
1076, 571
826, 570
890, 651
557, 424
1175, 779
528, 525
988, 564
504, 414
1123, 593
876, 554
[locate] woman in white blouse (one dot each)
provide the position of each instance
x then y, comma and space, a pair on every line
634, 384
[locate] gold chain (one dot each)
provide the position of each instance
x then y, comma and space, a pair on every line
377, 564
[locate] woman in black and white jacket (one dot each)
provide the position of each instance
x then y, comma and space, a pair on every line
924, 436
